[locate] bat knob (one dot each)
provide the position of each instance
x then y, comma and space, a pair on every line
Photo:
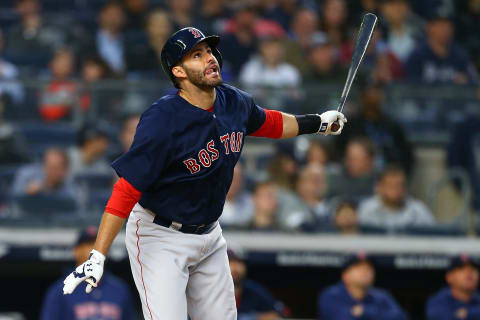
335, 126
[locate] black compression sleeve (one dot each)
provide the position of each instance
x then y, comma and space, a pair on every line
308, 123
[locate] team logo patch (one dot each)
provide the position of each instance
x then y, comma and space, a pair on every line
323, 127
195, 32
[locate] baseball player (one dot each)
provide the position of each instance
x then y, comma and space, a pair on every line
174, 180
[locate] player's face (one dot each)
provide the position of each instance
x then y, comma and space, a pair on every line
360, 274
201, 67
464, 278
392, 189
82, 251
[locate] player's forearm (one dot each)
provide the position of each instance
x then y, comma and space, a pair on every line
109, 228
290, 126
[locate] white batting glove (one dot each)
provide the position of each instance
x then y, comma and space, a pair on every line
329, 118
90, 271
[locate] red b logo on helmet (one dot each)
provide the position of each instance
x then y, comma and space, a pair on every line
195, 32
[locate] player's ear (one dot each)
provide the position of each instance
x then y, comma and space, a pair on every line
179, 72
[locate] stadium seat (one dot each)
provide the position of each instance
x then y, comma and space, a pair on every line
40, 136
44, 206
94, 181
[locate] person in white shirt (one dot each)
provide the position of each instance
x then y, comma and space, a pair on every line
391, 207
269, 68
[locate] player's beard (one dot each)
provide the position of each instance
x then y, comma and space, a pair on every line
199, 79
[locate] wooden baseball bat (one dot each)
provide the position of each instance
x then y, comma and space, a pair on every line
363, 39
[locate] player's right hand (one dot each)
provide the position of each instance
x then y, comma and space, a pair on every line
90, 271
332, 122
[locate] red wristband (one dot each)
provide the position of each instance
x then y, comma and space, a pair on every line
123, 199
272, 127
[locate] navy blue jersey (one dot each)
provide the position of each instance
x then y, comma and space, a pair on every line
443, 306
110, 301
335, 303
182, 156
425, 66
256, 299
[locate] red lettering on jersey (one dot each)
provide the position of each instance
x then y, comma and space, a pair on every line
233, 142
204, 158
239, 141
192, 165
224, 139
210, 147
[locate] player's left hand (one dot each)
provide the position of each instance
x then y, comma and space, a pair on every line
90, 271
332, 122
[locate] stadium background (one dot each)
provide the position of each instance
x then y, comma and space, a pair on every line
62, 84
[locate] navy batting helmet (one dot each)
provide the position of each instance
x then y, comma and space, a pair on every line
180, 43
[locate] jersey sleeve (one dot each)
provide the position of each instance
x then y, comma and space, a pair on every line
144, 162
256, 115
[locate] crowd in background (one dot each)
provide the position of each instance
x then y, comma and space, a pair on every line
355, 183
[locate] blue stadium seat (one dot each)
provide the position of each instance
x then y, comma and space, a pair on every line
40, 136
41, 206
94, 181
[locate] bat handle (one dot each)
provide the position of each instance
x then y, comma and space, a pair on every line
342, 103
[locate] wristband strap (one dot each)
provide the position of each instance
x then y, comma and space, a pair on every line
308, 123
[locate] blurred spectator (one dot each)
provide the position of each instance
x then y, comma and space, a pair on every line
211, 16
253, 300
391, 207
354, 297
10, 88
238, 45
181, 13
282, 168
61, 98
281, 11
334, 21
238, 207
318, 154
33, 33
468, 19
323, 62
439, 59
265, 204
112, 301
241, 34
303, 30
357, 178
94, 69
12, 147
127, 134
135, 12
311, 188
275, 209
404, 27
269, 70
389, 137
145, 57
345, 218
52, 177
460, 300
89, 154
109, 36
